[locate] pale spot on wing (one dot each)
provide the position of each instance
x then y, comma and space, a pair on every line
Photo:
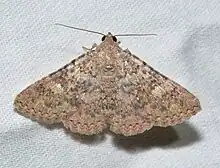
158, 92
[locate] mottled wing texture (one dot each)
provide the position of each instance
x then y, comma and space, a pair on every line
146, 98
57, 97
48, 99
157, 100
107, 88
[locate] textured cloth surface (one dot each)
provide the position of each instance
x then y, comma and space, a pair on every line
187, 49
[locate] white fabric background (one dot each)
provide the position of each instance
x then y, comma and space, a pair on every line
187, 49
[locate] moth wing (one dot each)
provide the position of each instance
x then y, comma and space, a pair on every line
46, 100
55, 99
169, 102
155, 100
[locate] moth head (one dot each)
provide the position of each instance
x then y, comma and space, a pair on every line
109, 35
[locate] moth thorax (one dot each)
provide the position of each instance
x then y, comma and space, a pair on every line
108, 70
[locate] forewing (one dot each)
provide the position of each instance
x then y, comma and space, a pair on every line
167, 101
150, 99
68, 96
49, 99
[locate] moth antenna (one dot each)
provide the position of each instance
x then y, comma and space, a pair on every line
91, 31
136, 34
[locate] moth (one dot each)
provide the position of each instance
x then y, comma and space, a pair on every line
107, 88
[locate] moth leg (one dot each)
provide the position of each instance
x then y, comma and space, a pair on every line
94, 46
86, 49
85, 124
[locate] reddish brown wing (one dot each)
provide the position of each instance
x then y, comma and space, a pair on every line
45, 100
150, 99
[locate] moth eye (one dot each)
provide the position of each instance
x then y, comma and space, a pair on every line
103, 38
114, 38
